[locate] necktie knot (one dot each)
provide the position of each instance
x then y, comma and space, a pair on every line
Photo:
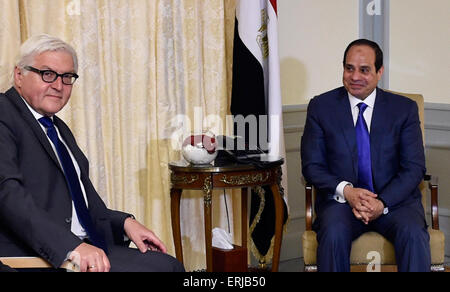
46, 122
362, 107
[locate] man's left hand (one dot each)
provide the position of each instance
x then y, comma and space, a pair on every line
375, 207
144, 238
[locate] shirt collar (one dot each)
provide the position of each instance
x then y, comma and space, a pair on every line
370, 100
36, 115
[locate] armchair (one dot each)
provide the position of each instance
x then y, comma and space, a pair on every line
361, 258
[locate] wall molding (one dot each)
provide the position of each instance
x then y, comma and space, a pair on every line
437, 123
295, 108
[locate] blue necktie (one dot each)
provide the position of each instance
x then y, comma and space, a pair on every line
363, 142
74, 185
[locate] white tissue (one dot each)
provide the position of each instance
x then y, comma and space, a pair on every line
221, 239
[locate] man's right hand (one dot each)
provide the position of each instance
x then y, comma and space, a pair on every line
359, 199
90, 258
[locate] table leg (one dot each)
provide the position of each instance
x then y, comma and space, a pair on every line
278, 226
175, 196
244, 223
207, 202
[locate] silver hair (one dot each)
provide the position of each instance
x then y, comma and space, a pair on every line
39, 44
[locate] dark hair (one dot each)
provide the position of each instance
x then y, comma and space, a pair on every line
373, 45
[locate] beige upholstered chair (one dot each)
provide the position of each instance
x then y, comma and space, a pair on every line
34, 262
361, 259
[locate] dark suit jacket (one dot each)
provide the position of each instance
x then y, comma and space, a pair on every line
35, 203
329, 152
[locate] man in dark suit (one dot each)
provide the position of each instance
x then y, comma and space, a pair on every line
48, 205
366, 162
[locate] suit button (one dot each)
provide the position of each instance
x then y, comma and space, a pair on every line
68, 220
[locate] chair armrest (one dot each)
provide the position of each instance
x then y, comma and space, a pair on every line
35, 262
25, 262
308, 205
433, 186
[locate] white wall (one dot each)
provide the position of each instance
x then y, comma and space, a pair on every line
420, 48
313, 35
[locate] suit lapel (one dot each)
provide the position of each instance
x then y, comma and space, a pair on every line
68, 137
345, 117
78, 155
380, 120
15, 98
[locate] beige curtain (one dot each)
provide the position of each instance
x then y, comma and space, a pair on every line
143, 63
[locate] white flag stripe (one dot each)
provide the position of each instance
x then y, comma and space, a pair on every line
273, 69
249, 25
252, 33
275, 111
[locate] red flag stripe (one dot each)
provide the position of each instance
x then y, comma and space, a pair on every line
274, 5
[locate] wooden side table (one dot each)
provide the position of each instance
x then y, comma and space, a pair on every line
229, 175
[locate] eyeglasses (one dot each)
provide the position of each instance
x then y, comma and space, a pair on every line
50, 76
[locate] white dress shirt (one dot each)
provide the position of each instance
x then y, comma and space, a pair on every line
370, 101
76, 227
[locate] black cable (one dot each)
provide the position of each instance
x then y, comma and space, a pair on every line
226, 209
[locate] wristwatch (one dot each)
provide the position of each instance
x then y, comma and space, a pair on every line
386, 209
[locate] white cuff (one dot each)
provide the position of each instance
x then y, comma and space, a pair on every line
339, 194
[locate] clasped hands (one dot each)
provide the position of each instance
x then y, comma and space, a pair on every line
90, 258
365, 205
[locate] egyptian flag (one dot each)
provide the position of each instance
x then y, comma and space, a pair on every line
256, 91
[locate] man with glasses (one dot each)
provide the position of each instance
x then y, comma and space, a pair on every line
48, 205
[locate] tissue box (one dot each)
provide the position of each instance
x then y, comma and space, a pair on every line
233, 260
